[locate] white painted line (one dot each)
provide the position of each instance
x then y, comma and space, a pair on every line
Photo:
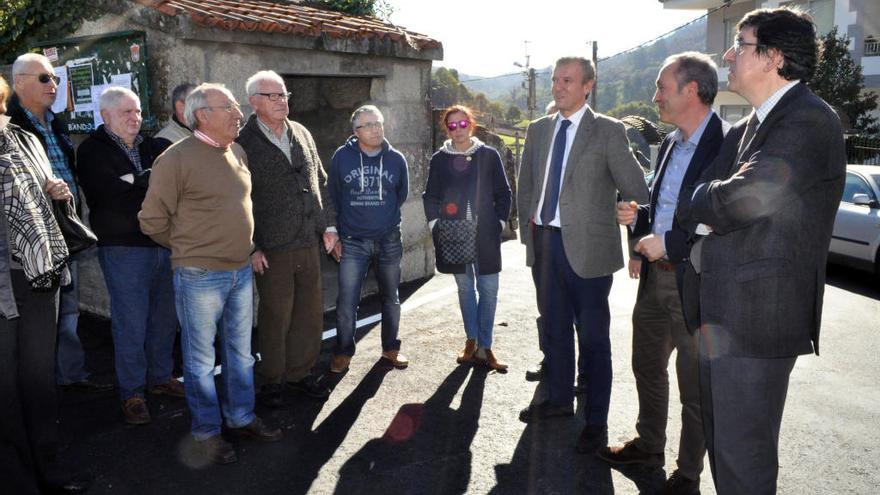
406, 306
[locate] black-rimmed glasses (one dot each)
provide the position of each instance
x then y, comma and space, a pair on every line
275, 96
370, 126
738, 45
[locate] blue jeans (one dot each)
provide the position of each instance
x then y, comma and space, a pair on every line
212, 304
478, 316
357, 254
70, 359
142, 307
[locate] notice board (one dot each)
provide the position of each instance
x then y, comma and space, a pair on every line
90, 64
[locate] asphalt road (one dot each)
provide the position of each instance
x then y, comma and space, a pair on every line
441, 428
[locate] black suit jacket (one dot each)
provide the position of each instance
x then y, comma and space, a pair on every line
772, 213
677, 239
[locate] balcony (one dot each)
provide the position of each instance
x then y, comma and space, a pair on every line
872, 47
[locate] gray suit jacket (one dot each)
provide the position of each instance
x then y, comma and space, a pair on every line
599, 165
772, 213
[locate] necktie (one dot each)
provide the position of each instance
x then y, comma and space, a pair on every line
751, 127
554, 175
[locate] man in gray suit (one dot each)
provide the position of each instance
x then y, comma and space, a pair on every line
770, 209
574, 163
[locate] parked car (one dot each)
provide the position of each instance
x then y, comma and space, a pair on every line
856, 235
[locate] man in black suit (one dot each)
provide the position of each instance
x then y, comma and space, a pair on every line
686, 88
768, 204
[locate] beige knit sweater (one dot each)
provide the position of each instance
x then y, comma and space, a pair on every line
198, 204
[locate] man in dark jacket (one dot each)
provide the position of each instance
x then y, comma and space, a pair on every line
291, 217
35, 86
114, 170
368, 183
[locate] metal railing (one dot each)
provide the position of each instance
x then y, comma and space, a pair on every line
872, 48
863, 150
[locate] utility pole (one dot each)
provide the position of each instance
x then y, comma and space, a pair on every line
529, 83
596, 66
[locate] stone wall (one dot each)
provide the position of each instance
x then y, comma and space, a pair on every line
327, 86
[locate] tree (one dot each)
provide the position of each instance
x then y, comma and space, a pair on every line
839, 81
514, 114
25, 21
375, 8
639, 108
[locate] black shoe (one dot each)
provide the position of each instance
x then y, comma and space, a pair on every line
678, 484
536, 373
591, 438
217, 450
89, 386
629, 453
312, 387
270, 396
544, 410
259, 431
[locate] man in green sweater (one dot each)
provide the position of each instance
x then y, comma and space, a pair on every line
198, 204
292, 215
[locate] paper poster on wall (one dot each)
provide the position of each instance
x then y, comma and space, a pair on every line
121, 80
81, 81
96, 91
61, 95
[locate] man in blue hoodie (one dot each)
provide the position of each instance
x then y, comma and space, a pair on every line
368, 182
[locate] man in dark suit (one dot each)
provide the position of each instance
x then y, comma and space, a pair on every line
768, 202
686, 88
574, 163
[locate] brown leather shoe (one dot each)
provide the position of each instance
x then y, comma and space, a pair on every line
171, 388
258, 430
628, 453
492, 362
470, 347
396, 358
340, 363
217, 450
135, 412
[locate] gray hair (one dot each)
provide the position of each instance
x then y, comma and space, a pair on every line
362, 110
252, 86
181, 91
198, 99
586, 66
111, 97
23, 60
699, 68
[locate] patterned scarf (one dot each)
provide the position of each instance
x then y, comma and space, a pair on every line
35, 241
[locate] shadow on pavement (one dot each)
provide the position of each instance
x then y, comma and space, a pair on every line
852, 280
426, 448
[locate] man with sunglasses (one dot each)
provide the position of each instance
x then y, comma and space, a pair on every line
36, 87
292, 216
767, 205
368, 183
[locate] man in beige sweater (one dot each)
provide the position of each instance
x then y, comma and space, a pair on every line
198, 205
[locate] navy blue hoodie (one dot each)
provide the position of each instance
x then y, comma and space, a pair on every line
367, 190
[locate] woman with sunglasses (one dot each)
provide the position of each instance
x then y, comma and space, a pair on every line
466, 181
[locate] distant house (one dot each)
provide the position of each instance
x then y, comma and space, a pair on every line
858, 19
331, 62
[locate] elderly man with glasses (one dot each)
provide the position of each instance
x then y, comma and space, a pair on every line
198, 204
36, 87
292, 216
368, 184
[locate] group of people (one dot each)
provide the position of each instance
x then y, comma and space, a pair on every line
185, 219
729, 246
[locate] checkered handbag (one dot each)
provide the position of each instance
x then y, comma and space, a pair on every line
458, 240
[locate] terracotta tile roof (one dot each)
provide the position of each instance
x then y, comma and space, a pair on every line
287, 18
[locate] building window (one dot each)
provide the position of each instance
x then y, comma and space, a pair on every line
822, 12
872, 46
735, 113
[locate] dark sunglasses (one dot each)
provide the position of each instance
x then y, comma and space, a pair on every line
455, 125
45, 78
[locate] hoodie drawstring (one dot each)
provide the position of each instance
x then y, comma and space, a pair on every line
381, 167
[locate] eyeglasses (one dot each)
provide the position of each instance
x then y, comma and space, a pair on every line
44, 77
276, 96
455, 125
229, 107
738, 45
370, 126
